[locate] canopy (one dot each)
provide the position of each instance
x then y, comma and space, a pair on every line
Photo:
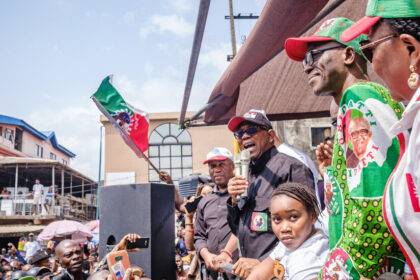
278, 86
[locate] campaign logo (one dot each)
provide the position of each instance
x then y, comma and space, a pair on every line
250, 115
325, 24
337, 267
259, 221
123, 119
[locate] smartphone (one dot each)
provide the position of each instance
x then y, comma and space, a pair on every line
192, 206
118, 263
139, 243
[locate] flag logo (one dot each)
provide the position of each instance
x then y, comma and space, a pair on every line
259, 221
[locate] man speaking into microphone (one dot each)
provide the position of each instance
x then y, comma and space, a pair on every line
248, 213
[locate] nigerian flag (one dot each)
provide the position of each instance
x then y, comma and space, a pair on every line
131, 123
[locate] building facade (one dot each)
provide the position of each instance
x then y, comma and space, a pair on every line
182, 152
19, 139
179, 152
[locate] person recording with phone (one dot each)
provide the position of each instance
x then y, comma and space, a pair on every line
250, 219
211, 229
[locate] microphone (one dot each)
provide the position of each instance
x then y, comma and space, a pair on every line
237, 163
245, 160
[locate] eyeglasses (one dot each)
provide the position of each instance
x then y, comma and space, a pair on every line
362, 132
366, 47
252, 130
309, 56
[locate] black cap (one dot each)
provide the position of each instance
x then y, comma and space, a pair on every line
38, 271
252, 116
39, 256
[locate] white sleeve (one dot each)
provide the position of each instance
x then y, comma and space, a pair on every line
278, 252
307, 263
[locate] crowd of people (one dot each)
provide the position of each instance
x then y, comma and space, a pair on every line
63, 260
274, 221
42, 197
363, 223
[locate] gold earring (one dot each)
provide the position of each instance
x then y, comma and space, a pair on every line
413, 80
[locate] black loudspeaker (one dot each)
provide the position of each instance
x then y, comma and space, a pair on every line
145, 209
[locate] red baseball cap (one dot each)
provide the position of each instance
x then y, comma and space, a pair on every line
362, 26
330, 30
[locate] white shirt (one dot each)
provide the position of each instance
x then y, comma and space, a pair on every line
402, 193
301, 156
30, 248
38, 189
306, 261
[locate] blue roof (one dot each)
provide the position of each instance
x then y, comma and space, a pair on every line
46, 135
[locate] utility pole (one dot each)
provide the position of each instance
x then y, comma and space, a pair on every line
232, 18
232, 29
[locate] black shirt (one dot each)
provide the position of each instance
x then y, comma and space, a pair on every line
211, 229
252, 224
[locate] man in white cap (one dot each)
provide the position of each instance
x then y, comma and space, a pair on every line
211, 229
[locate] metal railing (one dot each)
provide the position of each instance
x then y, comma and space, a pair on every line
66, 206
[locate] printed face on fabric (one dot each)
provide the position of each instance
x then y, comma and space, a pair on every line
257, 143
324, 73
359, 134
390, 62
221, 171
290, 220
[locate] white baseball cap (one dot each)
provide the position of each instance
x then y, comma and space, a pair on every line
218, 154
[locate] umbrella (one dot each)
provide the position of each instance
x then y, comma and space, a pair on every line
65, 229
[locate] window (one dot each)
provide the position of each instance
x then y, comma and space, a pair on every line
1, 131
64, 162
170, 150
18, 139
8, 134
39, 151
53, 156
319, 135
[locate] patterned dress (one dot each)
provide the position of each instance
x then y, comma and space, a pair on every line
365, 154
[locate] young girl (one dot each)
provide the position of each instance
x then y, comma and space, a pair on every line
303, 249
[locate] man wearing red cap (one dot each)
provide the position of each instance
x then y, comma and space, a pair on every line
211, 229
250, 220
361, 245
393, 49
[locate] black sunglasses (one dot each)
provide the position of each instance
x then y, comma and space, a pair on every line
252, 130
309, 56
366, 47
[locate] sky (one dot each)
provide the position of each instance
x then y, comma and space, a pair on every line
55, 53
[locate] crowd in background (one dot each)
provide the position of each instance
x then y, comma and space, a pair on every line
357, 219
